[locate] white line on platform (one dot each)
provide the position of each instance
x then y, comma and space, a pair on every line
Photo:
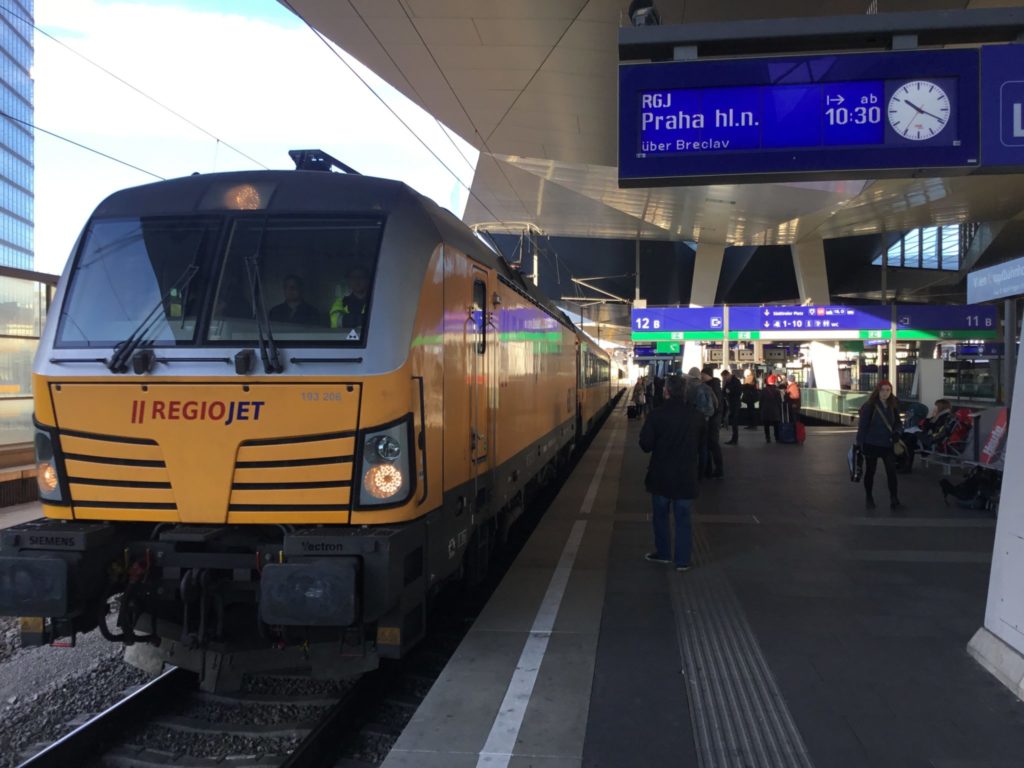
504, 733
595, 482
501, 741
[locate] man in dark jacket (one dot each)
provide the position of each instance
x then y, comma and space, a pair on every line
671, 435
733, 390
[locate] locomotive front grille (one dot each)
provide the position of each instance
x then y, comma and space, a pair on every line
312, 473
109, 473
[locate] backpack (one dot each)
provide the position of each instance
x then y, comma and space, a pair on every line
952, 438
706, 401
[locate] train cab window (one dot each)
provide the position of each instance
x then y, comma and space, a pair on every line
480, 314
137, 276
312, 277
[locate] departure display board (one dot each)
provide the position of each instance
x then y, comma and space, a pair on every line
684, 122
814, 323
811, 322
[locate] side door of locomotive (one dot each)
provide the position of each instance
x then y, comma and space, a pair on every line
480, 341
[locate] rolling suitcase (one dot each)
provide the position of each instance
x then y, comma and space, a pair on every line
631, 412
801, 432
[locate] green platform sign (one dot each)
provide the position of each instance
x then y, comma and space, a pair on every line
677, 336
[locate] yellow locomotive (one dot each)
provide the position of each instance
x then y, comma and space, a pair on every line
274, 412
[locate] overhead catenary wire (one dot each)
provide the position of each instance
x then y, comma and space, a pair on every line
80, 145
483, 140
408, 82
127, 84
539, 67
387, 106
458, 100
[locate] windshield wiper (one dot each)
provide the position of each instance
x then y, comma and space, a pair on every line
123, 351
268, 349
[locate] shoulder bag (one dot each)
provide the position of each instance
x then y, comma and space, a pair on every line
898, 446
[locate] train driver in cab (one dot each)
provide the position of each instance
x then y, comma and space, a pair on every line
294, 308
349, 311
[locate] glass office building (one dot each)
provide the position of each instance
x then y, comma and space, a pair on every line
24, 295
16, 137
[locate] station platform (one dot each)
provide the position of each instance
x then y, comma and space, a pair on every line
810, 633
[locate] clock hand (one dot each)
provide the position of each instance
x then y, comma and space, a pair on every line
921, 111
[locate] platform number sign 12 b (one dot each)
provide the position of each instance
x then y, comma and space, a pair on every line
646, 323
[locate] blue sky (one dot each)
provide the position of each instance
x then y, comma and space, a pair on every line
207, 60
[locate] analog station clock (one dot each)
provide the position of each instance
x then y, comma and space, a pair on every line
919, 110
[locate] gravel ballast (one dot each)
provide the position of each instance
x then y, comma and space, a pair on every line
43, 717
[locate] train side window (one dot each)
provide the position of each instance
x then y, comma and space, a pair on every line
480, 314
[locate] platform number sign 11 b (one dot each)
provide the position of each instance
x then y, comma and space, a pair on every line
976, 321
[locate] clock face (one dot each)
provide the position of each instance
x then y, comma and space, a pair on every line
919, 110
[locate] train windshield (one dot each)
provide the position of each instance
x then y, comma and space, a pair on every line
163, 283
313, 276
137, 276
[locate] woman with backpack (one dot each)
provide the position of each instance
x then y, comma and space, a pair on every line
878, 429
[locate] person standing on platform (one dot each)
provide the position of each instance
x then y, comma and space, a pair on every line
713, 463
639, 396
771, 408
750, 396
792, 399
659, 391
733, 391
671, 434
878, 427
700, 396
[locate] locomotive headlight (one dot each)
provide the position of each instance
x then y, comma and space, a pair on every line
385, 474
47, 471
47, 477
388, 448
383, 481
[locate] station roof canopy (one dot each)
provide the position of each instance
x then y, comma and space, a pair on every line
532, 84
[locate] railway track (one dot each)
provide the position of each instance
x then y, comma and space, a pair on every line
168, 722
274, 721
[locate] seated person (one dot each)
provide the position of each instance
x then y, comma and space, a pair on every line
349, 311
294, 309
932, 430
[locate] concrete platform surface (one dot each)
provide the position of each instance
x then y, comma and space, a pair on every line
812, 631
20, 513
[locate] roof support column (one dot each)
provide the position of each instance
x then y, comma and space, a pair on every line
811, 276
999, 644
812, 280
707, 269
